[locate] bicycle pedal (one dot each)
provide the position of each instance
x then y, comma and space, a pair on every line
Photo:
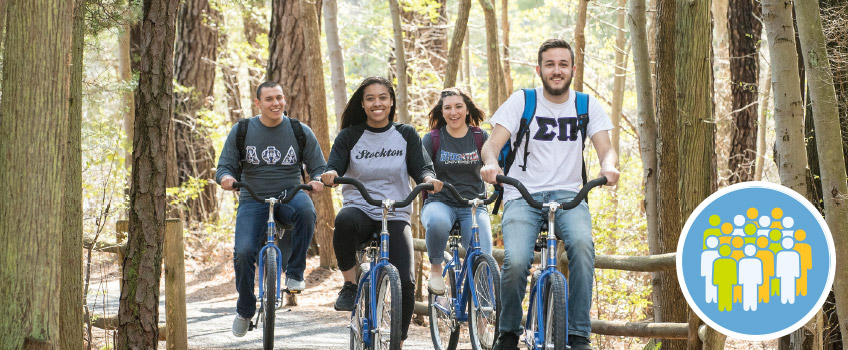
292, 291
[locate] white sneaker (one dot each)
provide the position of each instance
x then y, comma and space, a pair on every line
295, 285
437, 284
240, 326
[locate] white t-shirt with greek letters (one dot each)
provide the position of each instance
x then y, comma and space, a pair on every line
555, 159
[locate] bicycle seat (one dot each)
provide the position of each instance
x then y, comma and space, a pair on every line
374, 240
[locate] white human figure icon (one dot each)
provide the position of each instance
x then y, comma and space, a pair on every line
788, 269
708, 257
738, 223
764, 222
788, 222
750, 277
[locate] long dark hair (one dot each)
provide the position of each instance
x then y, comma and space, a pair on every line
475, 115
354, 113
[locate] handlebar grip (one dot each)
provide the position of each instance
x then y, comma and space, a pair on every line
355, 183
249, 189
413, 194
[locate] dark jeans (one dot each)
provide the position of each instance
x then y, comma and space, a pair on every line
354, 227
251, 233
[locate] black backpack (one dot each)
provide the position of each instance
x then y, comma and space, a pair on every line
299, 136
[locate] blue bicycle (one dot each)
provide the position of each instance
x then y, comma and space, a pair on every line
547, 318
475, 299
376, 318
270, 264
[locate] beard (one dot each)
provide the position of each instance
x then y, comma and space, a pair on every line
556, 92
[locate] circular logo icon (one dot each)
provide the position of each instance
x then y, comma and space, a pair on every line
755, 261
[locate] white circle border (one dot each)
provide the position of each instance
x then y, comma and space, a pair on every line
746, 185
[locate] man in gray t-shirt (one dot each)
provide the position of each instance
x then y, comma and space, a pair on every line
272, 163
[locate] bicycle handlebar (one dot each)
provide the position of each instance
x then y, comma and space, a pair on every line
460, 198
359, 186
564, 205
287, 194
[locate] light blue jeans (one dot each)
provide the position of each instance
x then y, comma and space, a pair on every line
438, 218
521, 224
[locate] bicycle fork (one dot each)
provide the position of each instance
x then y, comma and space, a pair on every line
269, 243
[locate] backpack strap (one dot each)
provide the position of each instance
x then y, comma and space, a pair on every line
241, 133
478, 138
581, 103
300, 138
507, 152
435, 141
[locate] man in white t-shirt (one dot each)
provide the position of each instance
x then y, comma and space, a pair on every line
551, 171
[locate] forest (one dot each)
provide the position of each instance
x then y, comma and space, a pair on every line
115, 112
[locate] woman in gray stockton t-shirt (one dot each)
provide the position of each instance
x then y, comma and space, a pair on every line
454, 146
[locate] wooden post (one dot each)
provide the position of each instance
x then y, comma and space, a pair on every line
175, 305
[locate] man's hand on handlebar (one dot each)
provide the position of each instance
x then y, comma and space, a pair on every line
490, 172
317, 186
328, 178
227, 183
611, 174
437, 184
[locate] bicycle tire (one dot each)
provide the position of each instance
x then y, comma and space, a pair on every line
388, 311
556, 314
359, 314
444, 330
269, 302
483, 323
532, 323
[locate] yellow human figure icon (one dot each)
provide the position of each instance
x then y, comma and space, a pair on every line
725, 277
715, 221
777, 214
737, 253
806, 261
767, 257
752, 213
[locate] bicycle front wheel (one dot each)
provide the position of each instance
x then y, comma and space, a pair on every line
444, 330
357, 324
387, 325
268, 303
483, 318
555, 314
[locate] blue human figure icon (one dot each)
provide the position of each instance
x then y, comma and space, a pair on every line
750, 277
708, 257
788, 270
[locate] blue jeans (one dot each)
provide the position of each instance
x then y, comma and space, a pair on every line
521, 224
251, 235
438, 218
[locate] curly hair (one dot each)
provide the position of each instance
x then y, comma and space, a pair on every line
474, 117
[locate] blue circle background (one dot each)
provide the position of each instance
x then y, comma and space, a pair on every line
773, 316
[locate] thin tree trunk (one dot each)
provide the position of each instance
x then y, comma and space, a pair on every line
253, 29
31, 206
138, 315
761, 128
127, 96
229, 73
71, 318
505, 29
828, 142
400, 65
722, 97
745, 28
620, 75
492, 59
455, 51
580, 43
194, 69
318, 100
788, 108
337, 76
468, 61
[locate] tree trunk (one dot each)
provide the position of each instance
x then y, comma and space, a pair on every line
194, 69
722, 97
492, 59
138, 315
127, 98
761, 130
828, 142
71, 318
647, 120
455, 52
318, 100
229, 73
745, 29
788, 107
295, 63
402, 95
337, 76
505, 29
253, 29
32, 176
579, 43
620, 75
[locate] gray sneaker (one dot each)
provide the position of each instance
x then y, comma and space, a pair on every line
240, 326
295, 285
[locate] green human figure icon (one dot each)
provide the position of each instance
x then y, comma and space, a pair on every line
715, 221
725, 277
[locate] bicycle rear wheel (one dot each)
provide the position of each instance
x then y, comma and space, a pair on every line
483, 319
269, 301
387, 325
444, 330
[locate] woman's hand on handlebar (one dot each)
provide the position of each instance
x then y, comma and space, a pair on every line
317, 186
437, 184
611, 174
328, 178
490, 172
